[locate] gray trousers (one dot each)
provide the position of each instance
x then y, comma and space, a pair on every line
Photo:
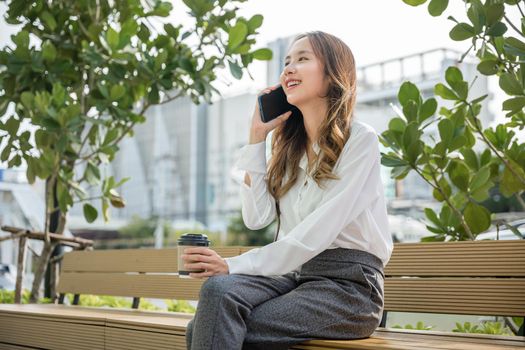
336, 295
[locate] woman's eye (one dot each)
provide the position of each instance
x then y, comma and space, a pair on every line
286, 63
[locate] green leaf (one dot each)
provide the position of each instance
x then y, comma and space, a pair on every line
90, 213
488, 67
235, 70
514, 46
414, 2
470, 158
92, 174
112, 37
391, 160
397, 124
446, 131
453, 75
485, 157
30, 171
4, 156
255, 22
479, 99
444, 92
437, 7
510, 84
49, 52
27, 99
427, 109
511, 184
445, 188
49, 20
482, 193
263, 54
117, 91
459, 175
237, 35
514, 104
476, 14
494, 13
448, 217
58, 94
172, 31
116, 200
480, 178
400, 172
407, 92
497, 29
162, 9
21, 39
432, 216
199, 7
410, 110
457, 142
153, 95
477, 217
462, 31
187, 65
11, 126
105, 209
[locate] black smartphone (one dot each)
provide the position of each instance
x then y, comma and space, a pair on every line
273, 104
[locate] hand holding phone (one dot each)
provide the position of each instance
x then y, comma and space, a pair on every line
261, 128
274, 104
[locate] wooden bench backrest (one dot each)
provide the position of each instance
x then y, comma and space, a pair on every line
478, 278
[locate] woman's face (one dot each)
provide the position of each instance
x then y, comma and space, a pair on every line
303, 66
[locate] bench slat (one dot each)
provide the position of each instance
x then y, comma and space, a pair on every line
130, 260
482, 296
465, 258
53, 334
131, 285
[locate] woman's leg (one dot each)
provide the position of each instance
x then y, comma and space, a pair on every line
335, 299
225, 301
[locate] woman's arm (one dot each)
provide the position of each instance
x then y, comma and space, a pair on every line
343, 201
258, 205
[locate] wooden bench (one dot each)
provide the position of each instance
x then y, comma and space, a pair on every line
471, 278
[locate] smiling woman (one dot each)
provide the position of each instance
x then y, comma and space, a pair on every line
323, 276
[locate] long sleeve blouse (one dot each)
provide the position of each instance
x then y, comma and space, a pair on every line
348, 213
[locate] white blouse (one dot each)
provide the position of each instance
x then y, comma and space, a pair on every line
348, 213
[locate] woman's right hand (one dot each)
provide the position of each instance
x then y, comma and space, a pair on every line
259, 129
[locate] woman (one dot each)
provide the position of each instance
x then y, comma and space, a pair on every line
323, 276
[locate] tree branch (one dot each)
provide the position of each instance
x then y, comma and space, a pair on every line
512, 25
477, 128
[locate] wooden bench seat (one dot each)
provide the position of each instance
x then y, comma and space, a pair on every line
471, 278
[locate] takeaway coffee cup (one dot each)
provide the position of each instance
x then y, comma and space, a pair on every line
185, 241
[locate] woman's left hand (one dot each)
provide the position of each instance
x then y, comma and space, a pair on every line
206, 259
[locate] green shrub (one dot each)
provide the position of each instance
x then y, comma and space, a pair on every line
484, 328
419, 326
111, 301
180, 306
8, 297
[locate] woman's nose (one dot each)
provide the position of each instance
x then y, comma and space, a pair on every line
288, 69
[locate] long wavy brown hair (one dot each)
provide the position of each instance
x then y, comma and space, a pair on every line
289, 140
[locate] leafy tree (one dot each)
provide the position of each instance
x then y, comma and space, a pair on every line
96, 69
460, 176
